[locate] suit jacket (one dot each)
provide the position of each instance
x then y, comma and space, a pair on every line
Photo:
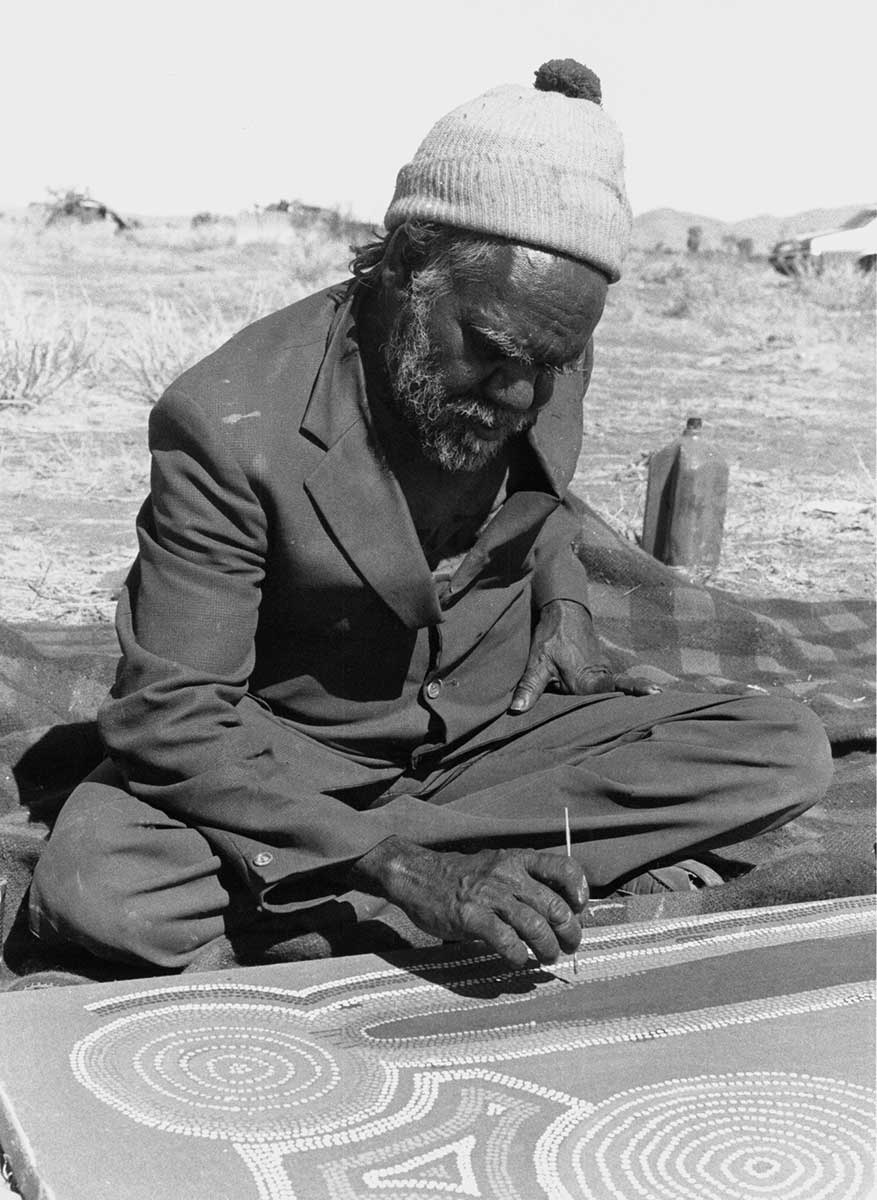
278, 560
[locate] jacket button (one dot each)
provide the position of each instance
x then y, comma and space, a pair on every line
263, 860
434, 689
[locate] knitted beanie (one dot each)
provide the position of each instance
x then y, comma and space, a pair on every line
541, 165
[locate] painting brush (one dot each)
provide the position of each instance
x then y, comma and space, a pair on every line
575, 955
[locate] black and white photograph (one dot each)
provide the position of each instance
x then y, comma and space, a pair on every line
437, 600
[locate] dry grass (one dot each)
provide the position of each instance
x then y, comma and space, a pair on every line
781, 370
42, 350
728, 296
162, 343
136, 310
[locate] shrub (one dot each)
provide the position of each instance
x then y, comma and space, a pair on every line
41, 350
173, 333
733, 297
837, 286
172, 336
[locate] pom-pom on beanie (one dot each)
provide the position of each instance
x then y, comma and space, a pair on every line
541, 165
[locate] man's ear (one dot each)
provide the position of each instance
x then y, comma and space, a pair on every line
395, 272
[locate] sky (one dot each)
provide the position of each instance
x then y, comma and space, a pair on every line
729, 109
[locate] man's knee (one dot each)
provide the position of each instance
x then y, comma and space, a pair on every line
799, 752
124, 887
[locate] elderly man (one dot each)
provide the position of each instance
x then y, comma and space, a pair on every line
358, 666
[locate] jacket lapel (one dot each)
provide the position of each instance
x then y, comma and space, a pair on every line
366, 512
508, 537
556, 438
365, 508
359, 499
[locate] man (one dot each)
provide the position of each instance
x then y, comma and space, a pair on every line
359, 673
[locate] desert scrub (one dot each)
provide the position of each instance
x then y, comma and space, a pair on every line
42, 349
165, 341
728, 297
838, 287
176, 332
835, 304
308, 259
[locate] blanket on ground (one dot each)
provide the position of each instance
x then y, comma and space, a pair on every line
651, 620
729, 1055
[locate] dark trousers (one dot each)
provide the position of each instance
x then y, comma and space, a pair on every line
646, 780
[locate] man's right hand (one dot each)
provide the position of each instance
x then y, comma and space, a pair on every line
510, 899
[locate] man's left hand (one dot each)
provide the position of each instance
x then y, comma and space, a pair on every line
565, 655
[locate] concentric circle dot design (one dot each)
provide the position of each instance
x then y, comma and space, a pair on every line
748, 1136
240, 1072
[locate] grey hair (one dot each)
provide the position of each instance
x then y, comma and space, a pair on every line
441, 250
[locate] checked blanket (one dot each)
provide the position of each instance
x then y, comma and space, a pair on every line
679, 634
727, 1057
651, 620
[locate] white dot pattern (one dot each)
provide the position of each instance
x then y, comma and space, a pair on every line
364, 1084
237, 1072
749, 1136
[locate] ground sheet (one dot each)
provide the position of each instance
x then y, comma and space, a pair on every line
651, 621
718, 1058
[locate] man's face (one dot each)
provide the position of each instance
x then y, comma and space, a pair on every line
472, 363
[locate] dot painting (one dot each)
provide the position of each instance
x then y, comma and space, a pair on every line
391, 1081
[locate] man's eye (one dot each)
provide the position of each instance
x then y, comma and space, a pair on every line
556, 369
496, 349
484, 346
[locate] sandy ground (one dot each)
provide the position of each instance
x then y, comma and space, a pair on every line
784, 383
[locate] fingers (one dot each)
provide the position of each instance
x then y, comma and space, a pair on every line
592, 679
634, 685
544, 920
512, 927
511, 899
532, 929
562, 875
533, 682
540, 908
599, 678
479, 922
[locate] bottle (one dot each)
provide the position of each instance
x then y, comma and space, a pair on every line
685, 502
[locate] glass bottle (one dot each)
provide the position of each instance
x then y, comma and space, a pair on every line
686, 497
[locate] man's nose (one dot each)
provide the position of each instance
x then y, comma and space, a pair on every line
517, 387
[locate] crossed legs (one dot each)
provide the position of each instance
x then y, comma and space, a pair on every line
646, 780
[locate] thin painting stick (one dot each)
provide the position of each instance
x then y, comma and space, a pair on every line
575, 956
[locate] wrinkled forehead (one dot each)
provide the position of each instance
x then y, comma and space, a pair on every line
570, 281
549, 304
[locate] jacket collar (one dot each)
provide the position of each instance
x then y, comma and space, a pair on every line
358, 496
556, 437
364, 507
